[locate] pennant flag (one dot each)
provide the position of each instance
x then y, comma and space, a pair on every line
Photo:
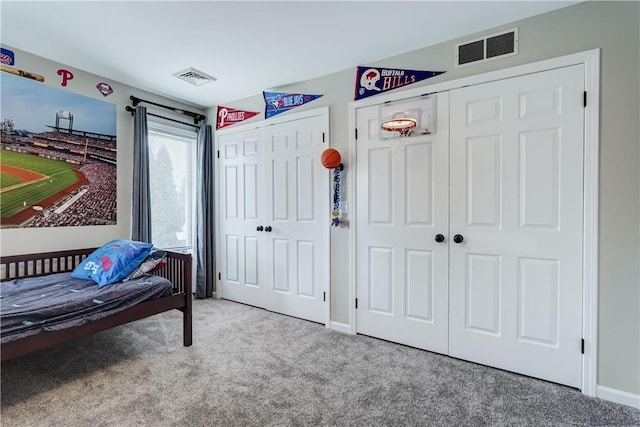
372, 81
280, 102
230, 116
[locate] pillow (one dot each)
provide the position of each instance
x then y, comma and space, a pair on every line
154, 261
112, 262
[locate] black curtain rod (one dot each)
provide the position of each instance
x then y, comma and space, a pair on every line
133, 111
196, 116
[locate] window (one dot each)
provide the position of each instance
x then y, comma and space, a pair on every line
172, 185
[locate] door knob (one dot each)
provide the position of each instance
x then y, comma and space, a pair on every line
458, 238
259, 228
268, 229
439, 238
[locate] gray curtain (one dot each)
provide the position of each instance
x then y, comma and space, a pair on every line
204, 247
141, 203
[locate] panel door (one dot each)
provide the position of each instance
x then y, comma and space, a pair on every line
297, 212
517, 201
402, 204
241, 201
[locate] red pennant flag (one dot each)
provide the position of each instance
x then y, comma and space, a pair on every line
229, 116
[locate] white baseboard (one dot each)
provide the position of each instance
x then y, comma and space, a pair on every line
618, 396
341, 327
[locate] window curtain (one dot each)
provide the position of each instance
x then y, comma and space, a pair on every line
141, 203
204, 241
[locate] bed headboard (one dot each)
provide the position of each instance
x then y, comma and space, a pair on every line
39, 264
177, 268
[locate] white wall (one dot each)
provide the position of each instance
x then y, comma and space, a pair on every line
614, 28
26, 240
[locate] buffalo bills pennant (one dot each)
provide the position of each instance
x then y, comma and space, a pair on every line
280, 102
229, 116
372, 81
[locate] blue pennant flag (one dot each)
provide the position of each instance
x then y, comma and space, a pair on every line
280, 102
372, 81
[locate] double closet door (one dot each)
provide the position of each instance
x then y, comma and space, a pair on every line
273, 196
469, 239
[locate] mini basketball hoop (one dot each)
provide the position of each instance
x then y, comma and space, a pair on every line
398, 128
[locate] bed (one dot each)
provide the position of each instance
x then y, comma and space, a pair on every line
25, 332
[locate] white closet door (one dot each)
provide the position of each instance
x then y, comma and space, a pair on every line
297, 212
241, 201
517, 200
402, 204
274, 217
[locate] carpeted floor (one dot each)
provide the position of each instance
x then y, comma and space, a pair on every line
250, 367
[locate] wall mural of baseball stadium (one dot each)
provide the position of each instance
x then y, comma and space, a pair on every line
57, 157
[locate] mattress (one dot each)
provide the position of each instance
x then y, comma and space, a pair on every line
32, 305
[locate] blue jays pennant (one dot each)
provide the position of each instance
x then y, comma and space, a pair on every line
372, 81
280, 102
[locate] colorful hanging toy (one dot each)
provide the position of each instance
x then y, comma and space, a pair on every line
331, 159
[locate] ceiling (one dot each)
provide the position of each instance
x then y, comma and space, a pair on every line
249, 46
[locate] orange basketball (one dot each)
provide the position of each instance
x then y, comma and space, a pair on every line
330, 158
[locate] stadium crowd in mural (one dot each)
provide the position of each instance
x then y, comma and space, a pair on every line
96, 157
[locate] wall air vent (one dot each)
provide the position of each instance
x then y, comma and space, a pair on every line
487, 48
195, 77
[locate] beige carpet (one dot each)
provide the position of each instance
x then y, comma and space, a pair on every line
250, 367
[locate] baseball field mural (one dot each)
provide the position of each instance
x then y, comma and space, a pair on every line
57, 157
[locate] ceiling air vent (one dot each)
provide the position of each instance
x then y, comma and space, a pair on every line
195, 77
487, 48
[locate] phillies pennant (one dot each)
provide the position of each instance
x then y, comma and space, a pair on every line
280, 102
372, 81
229, 116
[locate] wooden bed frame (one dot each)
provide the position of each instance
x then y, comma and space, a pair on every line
177, 270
